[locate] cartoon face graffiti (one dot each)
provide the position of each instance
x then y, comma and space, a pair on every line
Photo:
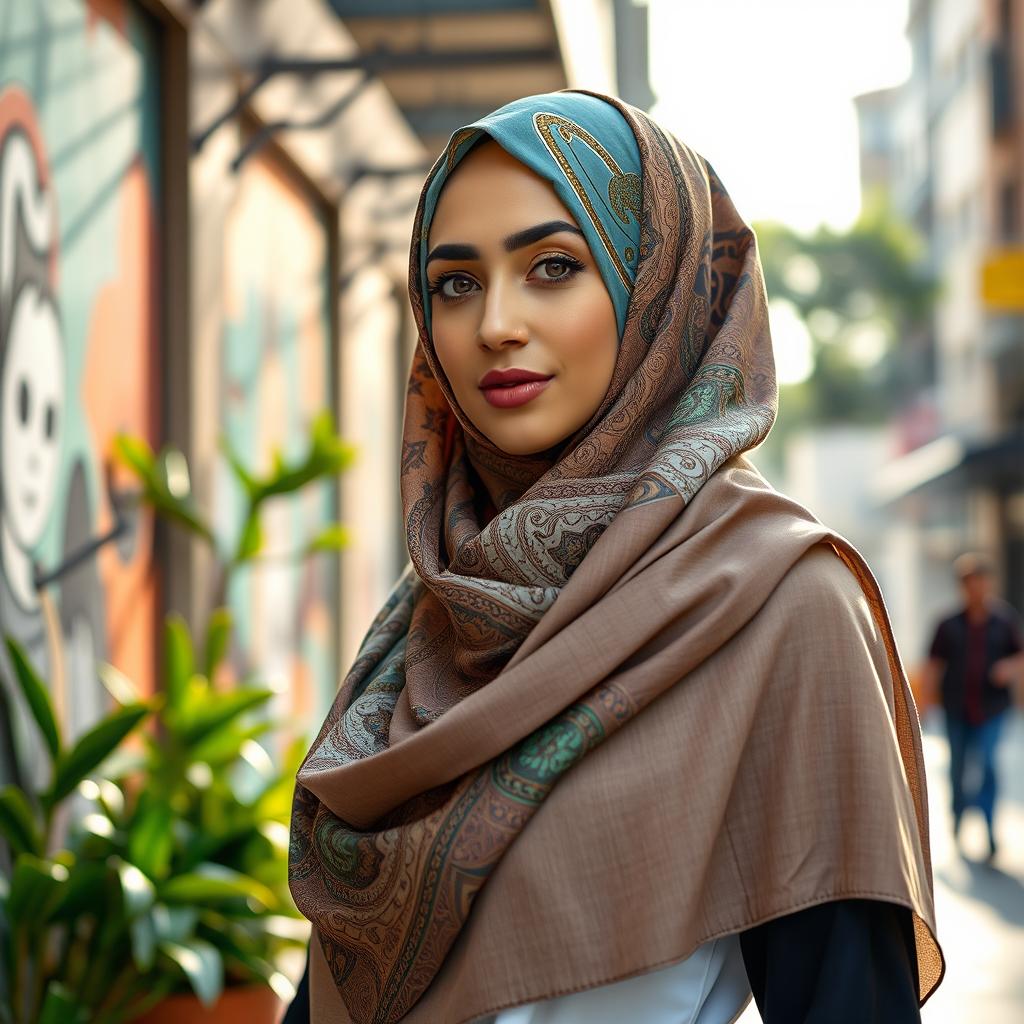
31, 405
31, 348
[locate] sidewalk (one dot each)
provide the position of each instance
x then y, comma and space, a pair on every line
980, 907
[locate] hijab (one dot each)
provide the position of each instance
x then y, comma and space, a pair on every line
488, 816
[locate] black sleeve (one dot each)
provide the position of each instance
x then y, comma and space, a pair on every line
1015, 640
940, 645
298, 1009
844, 962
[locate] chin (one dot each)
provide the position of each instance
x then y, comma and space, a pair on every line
520, 442
519, 447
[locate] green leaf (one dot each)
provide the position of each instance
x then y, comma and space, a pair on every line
36, 696
327, 455
180, 512
174, 924
179, 661
211, 884
142, 933
118, 685
91, 749
137, 891
18, 822
245, 478
85, 892
61, 1007
334, 537
224, 745
218, 636
219, 709
202, 965
250, 542
165, 481
151, 841
35, 889
110, 798
135, 453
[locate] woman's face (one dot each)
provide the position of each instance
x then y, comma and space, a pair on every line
520, 318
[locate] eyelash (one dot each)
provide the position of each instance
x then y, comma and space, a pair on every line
574, 265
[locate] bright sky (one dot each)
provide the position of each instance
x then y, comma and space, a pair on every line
763, 89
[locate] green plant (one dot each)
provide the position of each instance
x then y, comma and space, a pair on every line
59, 903
159, 864
166, 486
174, 871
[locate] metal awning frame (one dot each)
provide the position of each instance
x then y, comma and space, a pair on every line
371, 64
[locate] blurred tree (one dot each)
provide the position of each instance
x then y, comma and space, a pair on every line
861, 300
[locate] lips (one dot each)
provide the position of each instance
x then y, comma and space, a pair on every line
506, 389
509, 377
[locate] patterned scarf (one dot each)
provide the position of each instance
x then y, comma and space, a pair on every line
421, 778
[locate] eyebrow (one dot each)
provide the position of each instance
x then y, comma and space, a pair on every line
458, 251
454, 251
530, 235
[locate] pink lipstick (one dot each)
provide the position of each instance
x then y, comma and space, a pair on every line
506, 389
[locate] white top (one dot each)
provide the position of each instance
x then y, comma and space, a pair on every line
708, 987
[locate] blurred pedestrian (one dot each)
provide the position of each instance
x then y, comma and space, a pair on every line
976, 657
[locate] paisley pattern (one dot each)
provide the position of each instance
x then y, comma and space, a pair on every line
493, 541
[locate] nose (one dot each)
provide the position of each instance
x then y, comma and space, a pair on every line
502, 323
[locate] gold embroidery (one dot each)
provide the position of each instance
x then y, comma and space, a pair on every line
453, 147
624, 197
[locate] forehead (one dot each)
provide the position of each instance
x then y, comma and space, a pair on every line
490, 193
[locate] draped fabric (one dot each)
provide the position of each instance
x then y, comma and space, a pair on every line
551, 599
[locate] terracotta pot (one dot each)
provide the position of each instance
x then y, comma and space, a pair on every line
250, 1004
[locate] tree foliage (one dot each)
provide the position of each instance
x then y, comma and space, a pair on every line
865, 296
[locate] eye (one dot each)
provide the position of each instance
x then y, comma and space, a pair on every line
556, 268
50, 427
23, 401
453, 286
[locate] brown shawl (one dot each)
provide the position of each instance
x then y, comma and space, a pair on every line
780, 766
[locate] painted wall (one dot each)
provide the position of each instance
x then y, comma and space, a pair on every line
275, 377
79, 338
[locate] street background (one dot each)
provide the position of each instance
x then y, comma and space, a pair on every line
205, 211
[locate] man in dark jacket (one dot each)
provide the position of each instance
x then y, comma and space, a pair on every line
977, 656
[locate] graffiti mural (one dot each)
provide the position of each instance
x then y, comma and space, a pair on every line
275, 377
78, 347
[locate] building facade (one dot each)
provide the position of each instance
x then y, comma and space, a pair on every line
948, 148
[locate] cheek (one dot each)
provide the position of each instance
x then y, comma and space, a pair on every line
446, 346
588, 335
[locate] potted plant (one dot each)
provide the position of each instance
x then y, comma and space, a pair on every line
169, 892
174, 870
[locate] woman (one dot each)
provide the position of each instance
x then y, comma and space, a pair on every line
490, 825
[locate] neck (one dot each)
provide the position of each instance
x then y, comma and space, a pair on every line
977, 611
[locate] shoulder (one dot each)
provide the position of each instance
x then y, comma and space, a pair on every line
826, 638
820, 584
949, 621
1010, 622
821, 616
1005, 612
